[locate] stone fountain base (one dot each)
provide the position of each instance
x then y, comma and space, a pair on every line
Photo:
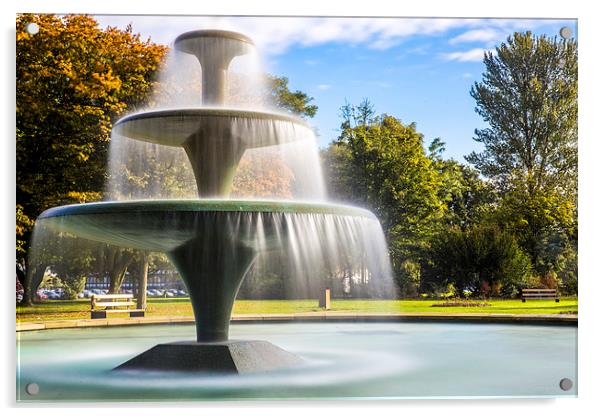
238, 357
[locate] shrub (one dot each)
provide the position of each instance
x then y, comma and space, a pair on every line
482, 260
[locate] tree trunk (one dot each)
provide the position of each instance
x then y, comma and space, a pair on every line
30, 280
142, 282
118, 268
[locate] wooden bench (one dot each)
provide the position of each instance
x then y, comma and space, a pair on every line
540, 294
101, 305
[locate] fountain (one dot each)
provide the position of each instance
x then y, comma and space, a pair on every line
213, 241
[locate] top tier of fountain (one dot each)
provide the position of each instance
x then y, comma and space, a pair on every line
214, 137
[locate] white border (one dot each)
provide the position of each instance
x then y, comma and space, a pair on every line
589, 400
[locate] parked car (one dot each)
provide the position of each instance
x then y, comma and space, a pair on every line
53, 295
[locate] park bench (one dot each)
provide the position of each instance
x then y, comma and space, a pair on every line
540, 294
101, 305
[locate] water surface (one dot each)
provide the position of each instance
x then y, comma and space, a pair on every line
344, 360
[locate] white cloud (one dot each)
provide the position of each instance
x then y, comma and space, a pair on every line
473, 55
275, 35
478, 35
323, 86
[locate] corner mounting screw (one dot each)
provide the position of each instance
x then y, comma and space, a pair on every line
32, 28
566, 384
32, 389
566, 32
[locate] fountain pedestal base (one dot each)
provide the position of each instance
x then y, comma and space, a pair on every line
237, 357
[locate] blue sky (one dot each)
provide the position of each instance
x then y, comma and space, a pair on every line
419, 70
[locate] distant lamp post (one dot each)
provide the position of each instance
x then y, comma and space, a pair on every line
324, 299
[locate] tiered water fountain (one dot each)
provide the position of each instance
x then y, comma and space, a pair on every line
213, 241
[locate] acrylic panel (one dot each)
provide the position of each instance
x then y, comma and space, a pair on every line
291, 207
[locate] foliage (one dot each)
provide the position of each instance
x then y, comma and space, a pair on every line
544, 223
23, 225
296, 102
267, 285
380, 163
73, 79
140, 170
73, 260
388, 171
468, 198
263, 174
529, 98
465, 303
481, 260
408, 279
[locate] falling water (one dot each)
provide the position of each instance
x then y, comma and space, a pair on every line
280, 161
316, 246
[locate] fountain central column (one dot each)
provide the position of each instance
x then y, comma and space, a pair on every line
214, 258
213, 270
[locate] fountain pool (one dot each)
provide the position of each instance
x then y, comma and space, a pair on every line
344, 360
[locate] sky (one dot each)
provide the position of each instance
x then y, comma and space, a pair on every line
418, 70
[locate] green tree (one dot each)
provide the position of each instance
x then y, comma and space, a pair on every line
528, 97
482, 260
71, 258
296, 102
73, 80
381, 164
545, 225
468, 199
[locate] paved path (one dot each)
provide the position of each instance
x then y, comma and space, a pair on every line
556, 319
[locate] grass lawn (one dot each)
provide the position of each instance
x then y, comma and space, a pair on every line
80, 309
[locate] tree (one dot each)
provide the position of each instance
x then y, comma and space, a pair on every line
468, 199
296, 102
264, 174
71, 258
482, 260
528, 97
391, 174
73, 80
380, 163
545, 225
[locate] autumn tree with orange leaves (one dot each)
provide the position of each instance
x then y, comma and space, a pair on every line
73, 80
